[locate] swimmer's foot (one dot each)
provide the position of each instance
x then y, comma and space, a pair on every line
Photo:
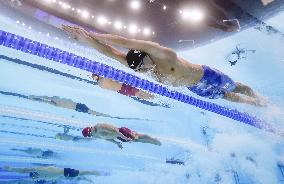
261, 101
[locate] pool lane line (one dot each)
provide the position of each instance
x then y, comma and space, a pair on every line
57, 72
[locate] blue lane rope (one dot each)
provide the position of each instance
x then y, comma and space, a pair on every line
42, 50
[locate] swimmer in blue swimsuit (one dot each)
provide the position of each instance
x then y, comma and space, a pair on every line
51, 173
37, 152
66, 103
166, 67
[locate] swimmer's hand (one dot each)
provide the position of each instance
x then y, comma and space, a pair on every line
77, 33
120, 145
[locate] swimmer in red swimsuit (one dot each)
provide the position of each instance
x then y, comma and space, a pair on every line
121, 88
115, 135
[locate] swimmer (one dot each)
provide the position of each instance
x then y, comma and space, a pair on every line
121, 88
117, 135
39, 153
52, 173
79, 107
66, 103
166, 67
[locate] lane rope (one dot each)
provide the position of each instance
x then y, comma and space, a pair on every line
54, 54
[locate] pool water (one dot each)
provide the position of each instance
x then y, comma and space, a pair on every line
197, 146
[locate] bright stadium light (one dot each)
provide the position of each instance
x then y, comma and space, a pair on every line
195, 15
146, 31
85, 14
102, 20
132, 29
135, 4
117, 25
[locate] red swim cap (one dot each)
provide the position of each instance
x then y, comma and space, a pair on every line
87, 132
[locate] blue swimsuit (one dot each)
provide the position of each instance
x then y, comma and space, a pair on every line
213, 84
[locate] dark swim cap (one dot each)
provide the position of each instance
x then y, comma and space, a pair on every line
135, 58
71, 173
47, 153
34, 175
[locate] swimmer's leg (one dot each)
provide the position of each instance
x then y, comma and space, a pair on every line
45, 99
147, 139
234, 97
245, 90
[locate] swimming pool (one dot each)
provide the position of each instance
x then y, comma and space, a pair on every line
197, 146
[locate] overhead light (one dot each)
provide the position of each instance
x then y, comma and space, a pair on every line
93, 16
194, 15
146, 31
117, 25
73, 9
64, 6
164, 7
135, 4
132, 29
17, 22
102, 20
30, 27
85, 14
47, 1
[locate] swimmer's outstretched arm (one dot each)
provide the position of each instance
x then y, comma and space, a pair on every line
45, 99
18, 170
152, 48
84, 36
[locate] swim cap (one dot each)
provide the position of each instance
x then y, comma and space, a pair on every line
71, 173
95, 76
135, 59
34, 175
87, 132
47, 153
